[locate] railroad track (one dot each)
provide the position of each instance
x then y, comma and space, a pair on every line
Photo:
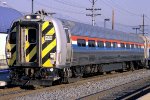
128, 91
137, 93
11, 93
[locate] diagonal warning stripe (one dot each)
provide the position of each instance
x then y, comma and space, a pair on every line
49, 48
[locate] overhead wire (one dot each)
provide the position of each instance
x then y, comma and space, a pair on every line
82, 13
118, 8
67, 3
60, 9
125, 10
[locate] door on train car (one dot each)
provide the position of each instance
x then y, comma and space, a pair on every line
29, 35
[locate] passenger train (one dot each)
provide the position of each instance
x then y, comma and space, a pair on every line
41, 49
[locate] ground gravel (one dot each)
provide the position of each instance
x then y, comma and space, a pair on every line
75, 92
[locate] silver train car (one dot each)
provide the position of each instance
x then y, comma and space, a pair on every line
41, 49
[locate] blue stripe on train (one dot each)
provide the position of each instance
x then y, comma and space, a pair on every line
107, 49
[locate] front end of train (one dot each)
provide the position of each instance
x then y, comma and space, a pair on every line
32, 52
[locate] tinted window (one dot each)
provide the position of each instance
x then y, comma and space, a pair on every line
32, 35
115, 45
108, 44
100, 44
140, 46
81, 42
132, 46
122, 45
136, 46
91, 43
128, 46
12, 38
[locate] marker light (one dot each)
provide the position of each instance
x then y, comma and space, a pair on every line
8, 55
51, 69
28, 17
38, 17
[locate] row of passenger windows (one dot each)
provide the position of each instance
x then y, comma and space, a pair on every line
100, 44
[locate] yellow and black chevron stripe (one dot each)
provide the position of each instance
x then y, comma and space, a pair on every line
48, 46
31, 50
12, 49
31, 53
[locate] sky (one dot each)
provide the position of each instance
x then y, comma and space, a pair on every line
128, 13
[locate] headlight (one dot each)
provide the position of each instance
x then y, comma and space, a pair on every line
52, 56
38, 17
51, 69
8, 55
28, 17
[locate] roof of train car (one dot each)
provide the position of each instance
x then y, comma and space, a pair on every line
81, 29
7, 16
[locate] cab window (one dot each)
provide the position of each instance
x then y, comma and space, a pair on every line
12, 38
32, 35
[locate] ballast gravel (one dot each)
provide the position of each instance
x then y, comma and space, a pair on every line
76, 92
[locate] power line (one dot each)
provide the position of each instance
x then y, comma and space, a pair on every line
119, 8
66, 11
67, 3
125, 10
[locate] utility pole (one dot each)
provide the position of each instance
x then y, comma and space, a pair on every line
143, 28
143, 25
93, 9
113, 19
32, 5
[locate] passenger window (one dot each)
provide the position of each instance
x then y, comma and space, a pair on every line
139, 46
91, 43
32, 35
100, 44
122, 45
12, 38
67, 35
132, 46
81, 43
115, 45
128, 46
136, 46
108, 44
